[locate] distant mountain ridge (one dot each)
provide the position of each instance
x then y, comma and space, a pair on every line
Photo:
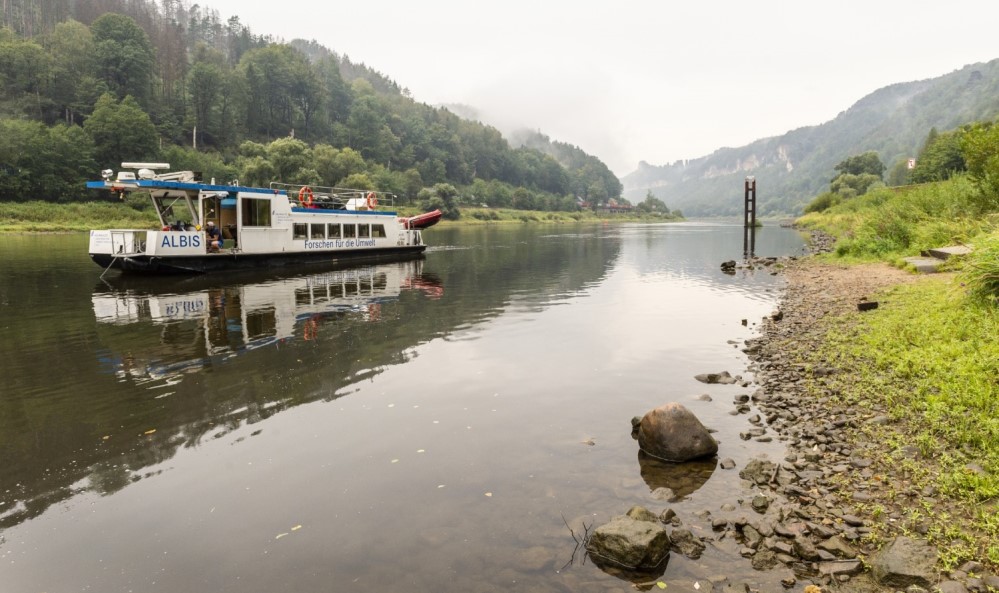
792, 168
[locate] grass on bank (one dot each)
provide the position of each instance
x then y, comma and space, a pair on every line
931, 358
30, 217
889, 223
43, 217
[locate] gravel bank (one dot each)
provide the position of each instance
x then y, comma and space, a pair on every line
833, 488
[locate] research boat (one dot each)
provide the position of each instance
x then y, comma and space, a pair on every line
277, 226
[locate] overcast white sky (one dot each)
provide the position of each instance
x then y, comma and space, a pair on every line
651, 80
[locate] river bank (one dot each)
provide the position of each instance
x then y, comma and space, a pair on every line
48, 217
854, 504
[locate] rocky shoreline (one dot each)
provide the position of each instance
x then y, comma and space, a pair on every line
819, 502
829, 515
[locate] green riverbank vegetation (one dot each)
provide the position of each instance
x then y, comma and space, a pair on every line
930, 355
135, 212
84, 88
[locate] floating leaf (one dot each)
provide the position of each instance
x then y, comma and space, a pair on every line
296, 528
395, 461
489, 493
661, 585
150, 431
280, 535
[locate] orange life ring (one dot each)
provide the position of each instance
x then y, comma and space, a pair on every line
372, 200
305, 196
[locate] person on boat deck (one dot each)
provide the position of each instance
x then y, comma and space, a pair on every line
214, 236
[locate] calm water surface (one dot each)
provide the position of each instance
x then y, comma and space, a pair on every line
421, 426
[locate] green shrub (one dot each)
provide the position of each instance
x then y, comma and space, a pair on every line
822, 202
981, 270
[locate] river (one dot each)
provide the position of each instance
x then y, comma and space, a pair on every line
446, 424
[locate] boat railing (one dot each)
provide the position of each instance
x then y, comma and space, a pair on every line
334, 198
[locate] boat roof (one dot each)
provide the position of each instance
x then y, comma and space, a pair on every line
194, 186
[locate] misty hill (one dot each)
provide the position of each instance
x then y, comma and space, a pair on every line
793, 168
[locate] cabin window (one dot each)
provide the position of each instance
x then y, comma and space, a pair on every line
333, 231
349, 231
317, 231
299, 230
256, 212
378, 231
364, 231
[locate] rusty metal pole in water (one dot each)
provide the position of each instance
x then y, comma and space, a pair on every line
749, 220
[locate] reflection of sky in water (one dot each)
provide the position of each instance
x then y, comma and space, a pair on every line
463, 446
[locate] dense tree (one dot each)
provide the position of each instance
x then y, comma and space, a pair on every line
940, 157
124, 56
443, 197
652, 204
848, 185
868, 163
75, 86
168, 68
121, 132
980, 145
43, 163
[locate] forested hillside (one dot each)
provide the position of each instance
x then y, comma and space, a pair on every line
86, 84
791, 169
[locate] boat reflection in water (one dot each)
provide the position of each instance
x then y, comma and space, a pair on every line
156, 336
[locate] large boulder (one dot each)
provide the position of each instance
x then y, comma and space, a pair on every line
635, 541
673, 433
905, 562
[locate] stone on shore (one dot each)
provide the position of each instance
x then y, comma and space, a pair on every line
905, 562
722, 378
636, 541
672, 433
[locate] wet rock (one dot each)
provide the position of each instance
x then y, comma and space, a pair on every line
905, 562
727, 463
684, 542
722, 378
667, 516
672, 433
764, 560
838, 547
642, 514
630, 542
760, 503
753, 537
758, 471
805, 549
951, 587
841, 567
